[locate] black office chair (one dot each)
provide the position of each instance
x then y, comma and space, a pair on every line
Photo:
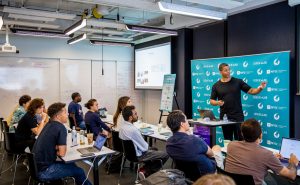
130, 155
88, 128
11, 148
4, 126
117, 143
34, 173
189, 168
239, 179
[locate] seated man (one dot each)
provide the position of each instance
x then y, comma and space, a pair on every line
129, 132
248, 157
75, 112
184, 147
51, 143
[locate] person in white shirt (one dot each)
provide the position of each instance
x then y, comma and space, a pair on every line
150, 157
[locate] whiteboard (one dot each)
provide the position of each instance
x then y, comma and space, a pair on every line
125, 85
38, 78
104, 87
75, 76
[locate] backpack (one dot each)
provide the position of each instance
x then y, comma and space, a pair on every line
166, 177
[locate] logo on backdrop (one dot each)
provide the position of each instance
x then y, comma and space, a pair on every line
245, 113
276, 116
198, 94
245, 64
198, 81
231, 73
276, 98
207, 73
245, 80
208, 102
197, 67
259, 71
208, 87
276, 80
260, 105
276, 134
220, 140
245, 97
276, 62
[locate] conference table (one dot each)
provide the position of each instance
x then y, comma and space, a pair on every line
211, 125
72, 155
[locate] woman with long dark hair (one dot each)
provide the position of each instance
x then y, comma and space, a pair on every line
117, 119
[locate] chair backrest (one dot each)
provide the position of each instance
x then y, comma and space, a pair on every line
71, 121
10, 142
32, 165
116, 141
239, 179
4, 126
129, 150
189, 168
88, 127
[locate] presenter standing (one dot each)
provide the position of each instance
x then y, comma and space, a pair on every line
226, 93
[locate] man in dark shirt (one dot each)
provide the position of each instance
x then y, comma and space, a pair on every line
75, 112
51, 143
184, 147
226, 93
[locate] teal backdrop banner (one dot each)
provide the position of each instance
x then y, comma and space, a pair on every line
270, 107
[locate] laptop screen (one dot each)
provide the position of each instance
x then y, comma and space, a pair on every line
100, 140
289, 146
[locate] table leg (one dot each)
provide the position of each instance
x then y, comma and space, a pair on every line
212, 136
96, 171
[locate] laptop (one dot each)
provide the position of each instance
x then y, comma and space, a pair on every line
98, 144
102, 112
207, 114
289, 146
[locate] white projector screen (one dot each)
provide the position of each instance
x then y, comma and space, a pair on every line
151, 64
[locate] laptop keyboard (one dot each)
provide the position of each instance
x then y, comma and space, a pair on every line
91, 149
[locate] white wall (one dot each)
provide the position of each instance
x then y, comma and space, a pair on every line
37, 47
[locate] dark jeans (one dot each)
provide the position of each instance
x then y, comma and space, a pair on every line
60, 170
152, 158
273, 179
232, 130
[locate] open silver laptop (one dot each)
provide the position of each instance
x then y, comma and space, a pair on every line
98, 144
289, 146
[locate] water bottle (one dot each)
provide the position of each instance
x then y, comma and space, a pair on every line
74, 136
225, 119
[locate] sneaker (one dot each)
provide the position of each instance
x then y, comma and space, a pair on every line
141, 176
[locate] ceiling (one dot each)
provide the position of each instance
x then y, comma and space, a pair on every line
58, 15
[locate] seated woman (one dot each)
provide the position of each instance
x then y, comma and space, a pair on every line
92, 118
28, 126
20, 111
117, 119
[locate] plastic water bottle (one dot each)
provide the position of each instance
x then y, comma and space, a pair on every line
225, 119
74, 136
